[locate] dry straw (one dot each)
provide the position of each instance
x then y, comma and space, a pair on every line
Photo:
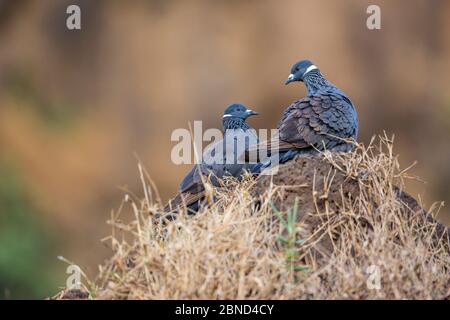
236, 249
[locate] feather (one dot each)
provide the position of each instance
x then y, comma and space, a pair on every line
322, 119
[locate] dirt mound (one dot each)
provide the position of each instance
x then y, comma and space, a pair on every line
332, 226
319, 187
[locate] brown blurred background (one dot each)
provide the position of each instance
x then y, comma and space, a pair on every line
75, 106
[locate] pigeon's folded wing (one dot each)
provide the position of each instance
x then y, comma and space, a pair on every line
319, 121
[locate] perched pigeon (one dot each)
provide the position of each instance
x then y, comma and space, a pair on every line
220, 159
321, 120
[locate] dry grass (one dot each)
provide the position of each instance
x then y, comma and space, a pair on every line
236, 250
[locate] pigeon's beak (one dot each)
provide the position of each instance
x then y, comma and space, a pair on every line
290, 79
251, 113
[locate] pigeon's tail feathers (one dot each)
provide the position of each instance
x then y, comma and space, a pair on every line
256, 169
290, 154
269, 147
283, 157
268, 151
259, 150
190, 201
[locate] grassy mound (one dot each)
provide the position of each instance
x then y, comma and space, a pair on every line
326, 227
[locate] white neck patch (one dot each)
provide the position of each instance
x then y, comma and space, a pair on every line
227, 115
310, 68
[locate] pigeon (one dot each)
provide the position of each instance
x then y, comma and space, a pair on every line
323, 120
219, 159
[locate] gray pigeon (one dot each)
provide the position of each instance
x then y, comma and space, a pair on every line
219, 159
319, 121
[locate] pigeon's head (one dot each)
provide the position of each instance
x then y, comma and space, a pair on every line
299, 71
238, 110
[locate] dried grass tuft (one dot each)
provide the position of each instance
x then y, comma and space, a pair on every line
239, 249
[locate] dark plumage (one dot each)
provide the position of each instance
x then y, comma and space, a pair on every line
219, 159
321, 120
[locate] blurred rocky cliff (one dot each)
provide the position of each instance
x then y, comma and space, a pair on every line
76, 107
